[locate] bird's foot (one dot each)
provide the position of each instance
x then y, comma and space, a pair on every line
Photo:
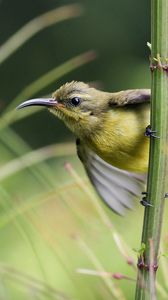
151, 133
144, 200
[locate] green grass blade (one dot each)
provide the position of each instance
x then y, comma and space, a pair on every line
36, 25
35, 157
9, 116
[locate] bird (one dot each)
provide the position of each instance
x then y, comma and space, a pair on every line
110, 136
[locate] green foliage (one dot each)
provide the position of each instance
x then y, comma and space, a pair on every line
140, 251
57, 238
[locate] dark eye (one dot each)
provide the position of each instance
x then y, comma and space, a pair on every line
76, 101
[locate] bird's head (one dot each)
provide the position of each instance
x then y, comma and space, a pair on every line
77, 104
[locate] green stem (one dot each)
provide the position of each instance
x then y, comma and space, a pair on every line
158, 162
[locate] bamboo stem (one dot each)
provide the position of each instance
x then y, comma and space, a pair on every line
158, 162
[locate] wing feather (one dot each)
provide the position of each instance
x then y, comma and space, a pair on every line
115, 186
130, 97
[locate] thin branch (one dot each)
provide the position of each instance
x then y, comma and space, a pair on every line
158, 162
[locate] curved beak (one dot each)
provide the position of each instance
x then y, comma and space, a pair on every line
38, 102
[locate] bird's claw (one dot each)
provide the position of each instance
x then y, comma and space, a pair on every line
151, 133
144, 200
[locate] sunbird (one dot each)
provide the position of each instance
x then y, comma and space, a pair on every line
110, 136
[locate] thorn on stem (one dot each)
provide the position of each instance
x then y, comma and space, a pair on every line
141, 265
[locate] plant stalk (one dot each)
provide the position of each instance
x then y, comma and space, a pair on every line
157, 184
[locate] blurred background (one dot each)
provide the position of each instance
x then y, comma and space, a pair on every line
58, 240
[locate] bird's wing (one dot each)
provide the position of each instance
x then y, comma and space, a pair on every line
130, 97
115, 186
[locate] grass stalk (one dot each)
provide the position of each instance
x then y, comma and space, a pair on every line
35, 157
158, 162
11, 115
122, 247
32, 283
36, 25
53, 75
115, 291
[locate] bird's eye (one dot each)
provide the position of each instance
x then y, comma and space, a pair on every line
76, 101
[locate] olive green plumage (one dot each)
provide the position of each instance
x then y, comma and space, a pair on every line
110, 130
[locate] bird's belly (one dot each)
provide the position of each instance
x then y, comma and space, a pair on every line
134, 160
122, 143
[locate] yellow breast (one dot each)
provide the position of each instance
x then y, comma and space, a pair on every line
120, 141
